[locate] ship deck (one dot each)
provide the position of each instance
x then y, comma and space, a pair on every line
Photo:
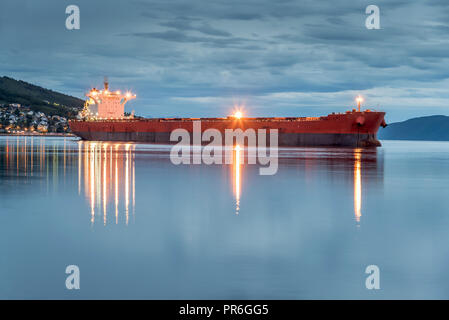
232, 118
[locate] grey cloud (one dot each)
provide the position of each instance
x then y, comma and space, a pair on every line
183, 24
180, 37
163, 49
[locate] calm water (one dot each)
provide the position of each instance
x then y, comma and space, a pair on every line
140, 227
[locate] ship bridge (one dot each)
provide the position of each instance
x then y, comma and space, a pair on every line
106, 104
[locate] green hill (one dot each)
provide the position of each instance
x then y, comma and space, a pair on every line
434, 128
38, 98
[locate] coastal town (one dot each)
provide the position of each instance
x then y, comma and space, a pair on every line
18, 119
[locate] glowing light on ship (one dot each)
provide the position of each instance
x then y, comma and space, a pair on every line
359, 100
238, 114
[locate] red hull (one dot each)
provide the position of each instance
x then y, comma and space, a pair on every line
348, 129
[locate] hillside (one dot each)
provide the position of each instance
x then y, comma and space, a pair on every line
423, 128
38, 98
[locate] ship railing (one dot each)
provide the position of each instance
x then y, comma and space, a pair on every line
267, 119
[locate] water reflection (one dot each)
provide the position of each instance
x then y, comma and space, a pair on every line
26, 156
105, 173
357, 184
238, 154
108, 171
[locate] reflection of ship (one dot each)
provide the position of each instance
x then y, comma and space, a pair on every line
104, 120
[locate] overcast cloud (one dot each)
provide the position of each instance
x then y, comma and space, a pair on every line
198, 57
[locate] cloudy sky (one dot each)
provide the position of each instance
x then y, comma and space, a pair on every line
200, 57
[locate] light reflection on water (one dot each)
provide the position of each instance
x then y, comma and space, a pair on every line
238, 181
106, 170
106, 174
357, 185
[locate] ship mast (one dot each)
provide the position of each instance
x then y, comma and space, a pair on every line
106, 83
359, 102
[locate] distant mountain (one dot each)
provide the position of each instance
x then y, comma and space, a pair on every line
38, 98
424, 128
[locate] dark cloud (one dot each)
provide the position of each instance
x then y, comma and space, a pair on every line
179, 36
184, 24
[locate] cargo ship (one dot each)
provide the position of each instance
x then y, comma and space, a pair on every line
103, 119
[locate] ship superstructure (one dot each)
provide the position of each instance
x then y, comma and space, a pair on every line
106, 104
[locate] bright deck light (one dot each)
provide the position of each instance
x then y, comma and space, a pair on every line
238, 114
359, 100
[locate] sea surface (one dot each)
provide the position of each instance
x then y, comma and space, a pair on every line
140, 227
